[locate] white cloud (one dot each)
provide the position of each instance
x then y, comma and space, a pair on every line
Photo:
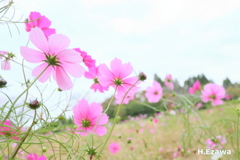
164, 12
91, 3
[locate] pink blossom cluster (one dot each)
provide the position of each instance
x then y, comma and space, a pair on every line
216, 142
196, 87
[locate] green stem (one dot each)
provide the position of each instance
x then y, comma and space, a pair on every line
115, 119
24, 138
10, 110
237, 137
25, 80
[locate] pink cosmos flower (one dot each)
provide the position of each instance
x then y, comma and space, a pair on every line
228, 97
160, 149
215, 143
114, 148
199, 105
196, 87
43, 23
154, 94
131, 148
86, 117
5, 63
55, 55
88, 61
32, 156
152, 131
168, 81
94, 74
8, 131
213, 92
155, 120
117, 76
141, 130
178, 153
128, 97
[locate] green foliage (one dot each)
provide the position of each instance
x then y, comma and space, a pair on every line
202, 78
234, 90
227, 83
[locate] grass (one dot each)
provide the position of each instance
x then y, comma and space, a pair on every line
148, 137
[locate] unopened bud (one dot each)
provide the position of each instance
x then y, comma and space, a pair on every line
34, 104
142, 76
129, 140
2, 82
61, 117
44, 149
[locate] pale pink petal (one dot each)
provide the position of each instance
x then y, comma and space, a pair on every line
58, 43
126, 70
105, 81
104, 71
63, 80
32, 55
73, 69
116, 67
217, 102
6, 65
88, 75
100, 130
69, 55
39, 69
38, 38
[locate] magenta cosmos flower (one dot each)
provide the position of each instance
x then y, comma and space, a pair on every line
5, 63
43, 23
88, 61
8, 131
114, 148
53, 53
128, 97
196, 87
154, 94
213, 92
215, 143
86, 117
32, 156
168, 81
228, 97
94, 74
117, 76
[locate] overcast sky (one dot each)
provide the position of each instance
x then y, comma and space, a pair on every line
179, 37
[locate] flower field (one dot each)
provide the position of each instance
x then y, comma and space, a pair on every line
125, 114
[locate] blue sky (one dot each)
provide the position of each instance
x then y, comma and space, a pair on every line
179, 37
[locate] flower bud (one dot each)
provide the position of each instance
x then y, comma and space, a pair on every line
142, 76
34, 104
2, 82
129, 140
61, 117
44, 149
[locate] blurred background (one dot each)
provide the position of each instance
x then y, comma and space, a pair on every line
189, 39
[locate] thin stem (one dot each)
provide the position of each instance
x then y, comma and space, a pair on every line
237, 136
23, 139
10, 110
115, 119
25, 80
